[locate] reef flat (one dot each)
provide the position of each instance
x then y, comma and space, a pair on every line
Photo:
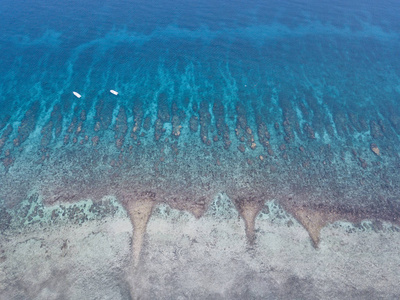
184, 257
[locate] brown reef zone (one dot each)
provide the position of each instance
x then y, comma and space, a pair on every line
139, 212
313, 219
248, 210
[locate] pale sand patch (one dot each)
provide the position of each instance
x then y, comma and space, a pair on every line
185, 257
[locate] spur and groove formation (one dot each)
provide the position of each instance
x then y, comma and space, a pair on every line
188, 151
182, 130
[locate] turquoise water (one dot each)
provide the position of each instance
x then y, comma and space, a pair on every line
296, 102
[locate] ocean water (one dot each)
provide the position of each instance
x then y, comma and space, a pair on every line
295, 102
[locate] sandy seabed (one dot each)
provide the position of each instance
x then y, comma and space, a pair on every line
207, 258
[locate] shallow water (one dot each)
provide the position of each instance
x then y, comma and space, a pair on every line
282, 102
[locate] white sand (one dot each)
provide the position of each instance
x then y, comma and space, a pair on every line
184, 257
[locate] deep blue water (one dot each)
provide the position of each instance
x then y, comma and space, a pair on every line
56, 45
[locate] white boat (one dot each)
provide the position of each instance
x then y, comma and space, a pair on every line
77, 94
114, 92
